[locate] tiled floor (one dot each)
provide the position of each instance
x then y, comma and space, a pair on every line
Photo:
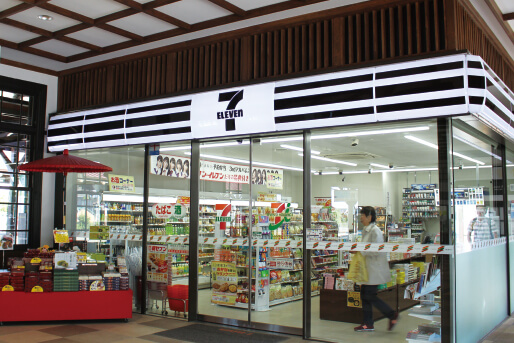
503, 334
142, 328
139, 329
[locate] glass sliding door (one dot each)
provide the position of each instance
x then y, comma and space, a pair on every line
223, 245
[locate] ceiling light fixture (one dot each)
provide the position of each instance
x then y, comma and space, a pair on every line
291, 147
434, 146
230, 159
349, 134
379, 165
45, 17
331, 160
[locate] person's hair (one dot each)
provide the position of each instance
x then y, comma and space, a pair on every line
264, 176
159, 158
179, 163
167, 161
369, 211
186, 163
172, 160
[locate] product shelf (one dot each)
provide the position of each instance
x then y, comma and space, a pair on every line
286, 300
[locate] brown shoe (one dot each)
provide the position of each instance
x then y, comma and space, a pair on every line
393, 321
363, 327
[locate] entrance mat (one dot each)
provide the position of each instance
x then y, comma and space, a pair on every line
200, 333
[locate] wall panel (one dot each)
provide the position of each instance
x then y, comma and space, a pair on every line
384, 31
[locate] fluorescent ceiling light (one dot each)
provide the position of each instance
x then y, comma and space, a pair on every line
291, 147
434, 146
348, 134
182, 147
379, 165
333, 161
236, 160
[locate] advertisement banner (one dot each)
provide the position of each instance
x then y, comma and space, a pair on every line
179, 167
280, 263
98, 232
165, 211
121, 183
224, 283
61, 236
354, 299
322, 201
157, 263
6, 242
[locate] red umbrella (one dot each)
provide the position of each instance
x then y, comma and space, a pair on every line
64, 164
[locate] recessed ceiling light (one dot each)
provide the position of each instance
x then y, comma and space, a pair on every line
45, 17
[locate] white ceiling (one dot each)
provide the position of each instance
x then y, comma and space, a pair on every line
22, 26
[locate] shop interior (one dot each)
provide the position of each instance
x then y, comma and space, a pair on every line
392, 167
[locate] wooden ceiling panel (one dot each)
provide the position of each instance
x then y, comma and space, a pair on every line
90, 8
30, 17
142, 24
80, 29
60, 48
97, 36
14, 34
187, 11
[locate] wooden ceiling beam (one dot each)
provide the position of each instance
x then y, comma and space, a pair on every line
116, 16
26, 27
508, 16
158, 3
501, 18
229, 7
120, 32
167, 18
9, 44
79, 43
45, 54
33, 41
132, 4
15, 9
66, 13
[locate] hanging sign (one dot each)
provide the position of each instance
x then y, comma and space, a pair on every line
280, 263
121, 183
271, 178
183, 200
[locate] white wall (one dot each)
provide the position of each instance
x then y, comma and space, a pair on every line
48, 191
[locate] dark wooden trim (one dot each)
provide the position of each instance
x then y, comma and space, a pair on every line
28, 67
508, 16
229, 7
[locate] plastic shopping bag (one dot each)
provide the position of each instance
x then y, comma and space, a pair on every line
358, 271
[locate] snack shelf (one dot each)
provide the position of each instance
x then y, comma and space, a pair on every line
286, 300
181, 262
290, 281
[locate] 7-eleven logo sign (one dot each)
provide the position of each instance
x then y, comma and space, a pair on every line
223, 215
283, 214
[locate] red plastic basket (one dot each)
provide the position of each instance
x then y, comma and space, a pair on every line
178, 292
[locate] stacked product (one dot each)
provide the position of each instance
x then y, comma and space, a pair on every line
66, 280
111, 280
46, 276
17, 275
4, 278
84, 283
124, 278
31, 280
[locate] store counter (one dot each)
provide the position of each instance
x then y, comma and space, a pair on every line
50, 306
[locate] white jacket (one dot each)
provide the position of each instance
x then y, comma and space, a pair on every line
376, 262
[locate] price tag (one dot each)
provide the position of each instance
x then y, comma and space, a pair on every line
7, 288
37, 289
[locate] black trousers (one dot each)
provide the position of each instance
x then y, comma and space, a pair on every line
370, 299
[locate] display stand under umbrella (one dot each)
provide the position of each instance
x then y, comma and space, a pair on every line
65, 164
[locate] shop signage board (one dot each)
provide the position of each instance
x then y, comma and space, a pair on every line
280, 263
223, 216
61, 236
121, 183
233, 111
67, 260
322, 201
165, 211
269, 177
157, 263
354, 299
224, 283
99, 232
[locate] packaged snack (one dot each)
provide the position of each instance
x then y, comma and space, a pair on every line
283, 290
289, 291
279, 276
273, 276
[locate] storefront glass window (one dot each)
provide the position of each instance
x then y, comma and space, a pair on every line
168, 229
510, 210
478, 219
391, 171
103, 219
